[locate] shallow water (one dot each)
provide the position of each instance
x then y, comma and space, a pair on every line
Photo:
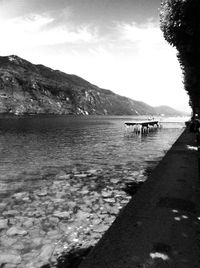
63, 181
32, 148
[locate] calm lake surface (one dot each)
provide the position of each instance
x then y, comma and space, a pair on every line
34, 149
64, 180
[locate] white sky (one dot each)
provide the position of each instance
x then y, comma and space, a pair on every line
129, 57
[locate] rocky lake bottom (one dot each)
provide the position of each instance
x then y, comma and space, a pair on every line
63, 181
69, 212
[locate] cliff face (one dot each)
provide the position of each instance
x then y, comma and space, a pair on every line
26, 88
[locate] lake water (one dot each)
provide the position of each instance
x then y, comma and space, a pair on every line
63, 180
33, 148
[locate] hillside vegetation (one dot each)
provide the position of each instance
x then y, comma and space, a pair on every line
26, 88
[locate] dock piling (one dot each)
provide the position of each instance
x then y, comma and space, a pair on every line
142, 127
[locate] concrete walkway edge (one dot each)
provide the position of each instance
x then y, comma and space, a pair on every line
160, 225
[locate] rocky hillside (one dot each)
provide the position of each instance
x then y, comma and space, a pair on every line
26, 88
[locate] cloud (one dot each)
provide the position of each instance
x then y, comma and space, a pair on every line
129, 58
33, 31
143, 32
144, 35
20, 8
138, 63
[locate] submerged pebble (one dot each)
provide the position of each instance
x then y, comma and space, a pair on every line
3, 224
73, 210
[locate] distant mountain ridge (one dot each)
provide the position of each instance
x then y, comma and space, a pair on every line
166, 110
26, 88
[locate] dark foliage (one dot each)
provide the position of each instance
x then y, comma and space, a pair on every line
180, 23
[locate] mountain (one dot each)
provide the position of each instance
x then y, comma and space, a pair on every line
166, 110
26, 88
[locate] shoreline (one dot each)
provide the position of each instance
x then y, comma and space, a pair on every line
38, 221
40, 225
159, 226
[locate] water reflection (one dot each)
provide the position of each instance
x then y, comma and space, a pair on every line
29, 146
63, 180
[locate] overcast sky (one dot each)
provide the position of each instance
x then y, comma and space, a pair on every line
115, 44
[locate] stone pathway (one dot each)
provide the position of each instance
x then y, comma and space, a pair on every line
71, 211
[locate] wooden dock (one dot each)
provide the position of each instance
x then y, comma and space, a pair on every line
142, 123
143, 126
